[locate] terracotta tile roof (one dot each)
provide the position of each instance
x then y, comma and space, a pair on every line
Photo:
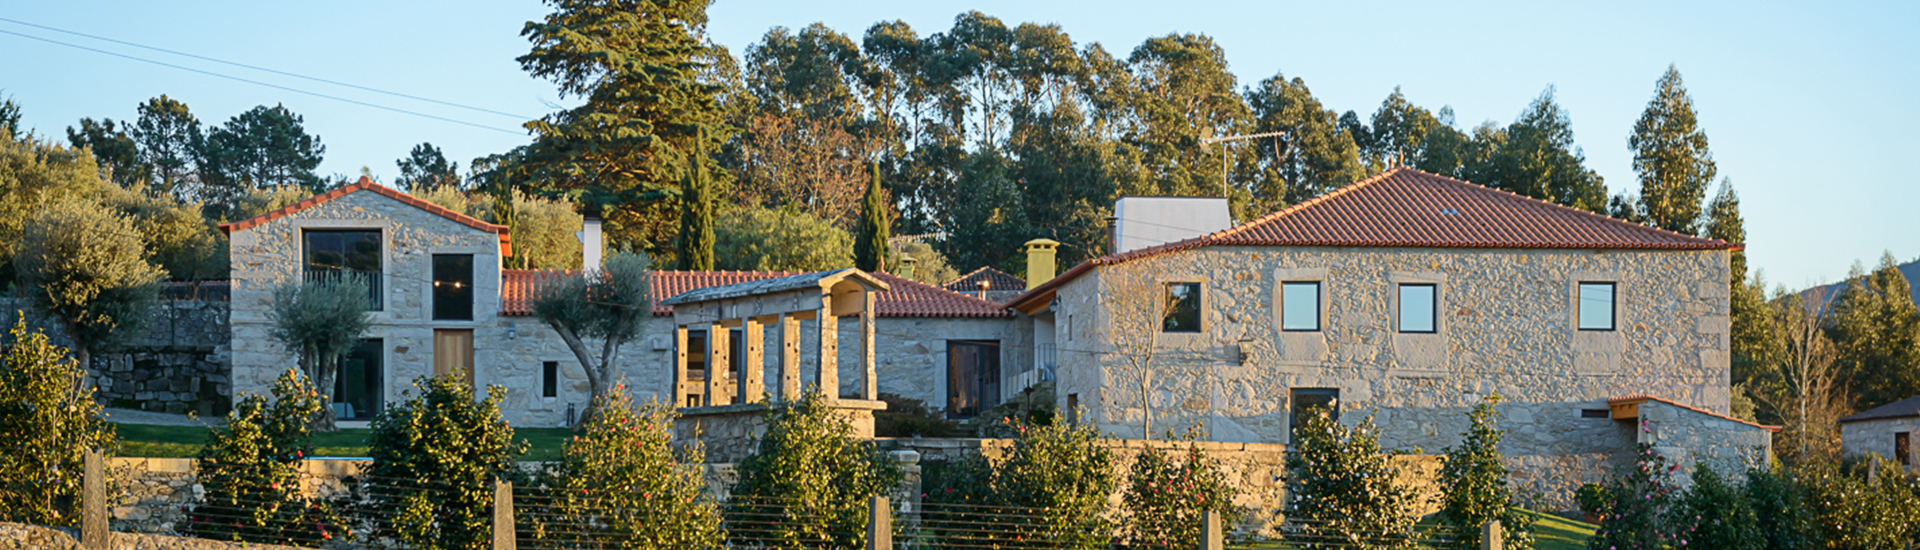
366, 184
1898, 409
1405, 207
1644, 398
906, 299
996, 280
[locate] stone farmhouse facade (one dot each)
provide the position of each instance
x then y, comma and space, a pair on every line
443, 304
1411, 297
1891, 431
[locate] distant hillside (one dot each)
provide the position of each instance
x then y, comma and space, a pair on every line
1910, 269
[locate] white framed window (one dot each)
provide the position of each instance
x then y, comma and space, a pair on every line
1300, 306
1417, 304
1598, 305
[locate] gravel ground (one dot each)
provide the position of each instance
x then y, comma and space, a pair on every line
130, 416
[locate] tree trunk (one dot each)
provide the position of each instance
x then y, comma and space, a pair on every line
595, 383
320, 372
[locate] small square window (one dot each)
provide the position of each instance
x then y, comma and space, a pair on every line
1416, 308
1300, 306
1596, 306
1183, 308
1309, 401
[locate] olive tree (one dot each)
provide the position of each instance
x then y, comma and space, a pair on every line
319, 320
610, 304
86, 266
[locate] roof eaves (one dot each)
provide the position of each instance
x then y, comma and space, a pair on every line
1648, 397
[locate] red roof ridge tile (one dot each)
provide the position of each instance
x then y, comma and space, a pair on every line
366, 184
1650, 397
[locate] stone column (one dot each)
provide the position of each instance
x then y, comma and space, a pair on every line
680, 385
789, 357
753, 363
870, 384
717, 361
828, 377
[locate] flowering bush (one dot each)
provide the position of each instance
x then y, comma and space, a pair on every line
1719, 513
50, 420
619, 481
1341, 490
1473, 487
810, 473
251, 472
1640, 508
1166, 498
435, 460
1049, 490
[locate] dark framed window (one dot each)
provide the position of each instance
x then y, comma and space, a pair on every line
1903, 448
1300, 306
550, 379
1596, 413
1307, 401
453, 287
1417, 304
358, 389
1183, 308
332, 255
1598, 303
973, 377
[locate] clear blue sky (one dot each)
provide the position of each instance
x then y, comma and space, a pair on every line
1810, 108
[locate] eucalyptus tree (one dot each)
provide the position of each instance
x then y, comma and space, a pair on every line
1670, 154
1314, 154
1536, 157
1183, 92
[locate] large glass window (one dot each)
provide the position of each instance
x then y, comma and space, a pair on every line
333, 255
1183, 308
1308, 401
1300, 306
1596, 306
1416, 307
453, 287
357, 388
973, 377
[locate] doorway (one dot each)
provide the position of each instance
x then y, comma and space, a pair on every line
973, 377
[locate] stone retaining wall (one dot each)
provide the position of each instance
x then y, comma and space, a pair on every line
15, 535
182, 364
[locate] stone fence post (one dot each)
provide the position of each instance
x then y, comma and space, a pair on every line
1212, 537
503, 535
93, 503
1492, 536
879, 524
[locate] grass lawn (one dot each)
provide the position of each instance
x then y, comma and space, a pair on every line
1550, 532
140, 440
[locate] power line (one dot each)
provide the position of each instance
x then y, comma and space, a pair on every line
264, 69
258, 83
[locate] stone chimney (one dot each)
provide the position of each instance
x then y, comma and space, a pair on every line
907, 263
1040, 267
591, 247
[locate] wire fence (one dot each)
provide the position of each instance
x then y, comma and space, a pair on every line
1318, 535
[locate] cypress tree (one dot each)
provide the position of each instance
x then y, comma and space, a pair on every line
870, 244
696, 214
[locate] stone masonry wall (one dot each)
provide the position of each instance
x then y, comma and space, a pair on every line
15, 535
1687, 437
1505, 326
1876, 437
180, 364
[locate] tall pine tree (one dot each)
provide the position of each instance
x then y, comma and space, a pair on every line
870, 244
1670, 154
170, 139
696, 214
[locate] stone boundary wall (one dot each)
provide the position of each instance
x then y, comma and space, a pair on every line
15, 535
182, 364
1257, 470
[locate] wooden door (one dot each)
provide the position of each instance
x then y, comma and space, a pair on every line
453, 353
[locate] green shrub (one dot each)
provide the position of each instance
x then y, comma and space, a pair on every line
1719, 513
779, 239
1341, 489
1639, 512
435, 460
1781, 513
251, 472
618, 485
1851, 511
909, 417
1166, 499
50, 419
1033, 406
1592, 498
1473, 487
808, 481
1065, 475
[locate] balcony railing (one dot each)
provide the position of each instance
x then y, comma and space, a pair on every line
371, 278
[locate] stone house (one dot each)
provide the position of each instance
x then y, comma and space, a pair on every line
442, 303
1411, 297
1887, 430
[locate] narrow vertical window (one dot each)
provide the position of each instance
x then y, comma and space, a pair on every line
550, 379
1903, 448
1308, 401
1182, 308
1416, 308
1300, 306
453, 287
1597, 305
